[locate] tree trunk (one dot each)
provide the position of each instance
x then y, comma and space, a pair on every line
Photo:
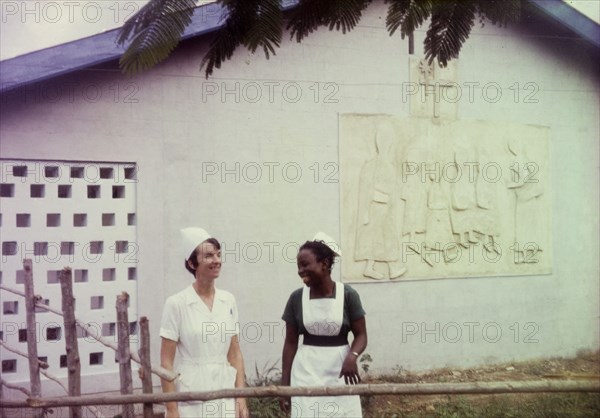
73, 361
123, 352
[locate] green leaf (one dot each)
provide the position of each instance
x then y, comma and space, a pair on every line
155, 31
451, 23
407, 15
309, 15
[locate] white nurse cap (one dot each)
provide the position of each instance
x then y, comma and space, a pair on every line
192, 237
330, 242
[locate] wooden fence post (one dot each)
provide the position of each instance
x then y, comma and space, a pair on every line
32, 328
73, 361
123, 352
145, 371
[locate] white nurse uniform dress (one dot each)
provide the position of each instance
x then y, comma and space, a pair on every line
318, 365
203, 338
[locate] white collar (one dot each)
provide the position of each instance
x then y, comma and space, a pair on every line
192, 297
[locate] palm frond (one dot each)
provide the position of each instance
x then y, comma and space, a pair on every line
500, 12
155, 31
407, 15
451, 23
266, 29
309, 15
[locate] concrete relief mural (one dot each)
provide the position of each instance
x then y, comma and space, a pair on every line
445, 199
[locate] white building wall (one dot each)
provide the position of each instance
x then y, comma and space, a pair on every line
183, 138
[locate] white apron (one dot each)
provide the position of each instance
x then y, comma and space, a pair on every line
321, 366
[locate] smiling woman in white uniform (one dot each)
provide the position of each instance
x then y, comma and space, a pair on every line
199, 331
324, 312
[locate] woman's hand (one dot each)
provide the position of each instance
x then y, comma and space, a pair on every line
285, 404
350, 370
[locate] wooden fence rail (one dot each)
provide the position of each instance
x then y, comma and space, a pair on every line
157, 370
124, 354
474, 388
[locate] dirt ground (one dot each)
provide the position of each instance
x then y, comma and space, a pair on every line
586, 366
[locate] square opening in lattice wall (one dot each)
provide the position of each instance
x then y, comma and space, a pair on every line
108, 219
23, 335
106, 173
19, 171
52, 276
130, 173
64, 191
67, 248
96, 247
9, 366
63, 361
9, 248
118, 192
23, 220
121, 247
109, 329
53, 220
131, 273
20, 277
96, 358
97, 302
7, 190
79, 219
37, 190
10, 307
51, 171
40, 248
81, 275
53, 333
131, 219
77, 172
93, 192
109, 275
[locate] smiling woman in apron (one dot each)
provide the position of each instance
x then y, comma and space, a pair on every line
199, 331
324, 312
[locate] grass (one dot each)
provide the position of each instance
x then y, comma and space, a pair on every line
542, 405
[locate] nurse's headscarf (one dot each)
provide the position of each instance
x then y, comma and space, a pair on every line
328, 241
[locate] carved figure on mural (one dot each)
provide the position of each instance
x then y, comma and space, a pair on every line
414, 191
487, 216
527, 192
377, 233
464, 199
438, 230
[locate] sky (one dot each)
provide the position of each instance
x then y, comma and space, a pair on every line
31, 25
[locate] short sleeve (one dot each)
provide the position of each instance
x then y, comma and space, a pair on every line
289, 314
171, 319
353, 304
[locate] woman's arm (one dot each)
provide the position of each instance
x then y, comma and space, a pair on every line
290, 346
167, 357
349, 367
235, 358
